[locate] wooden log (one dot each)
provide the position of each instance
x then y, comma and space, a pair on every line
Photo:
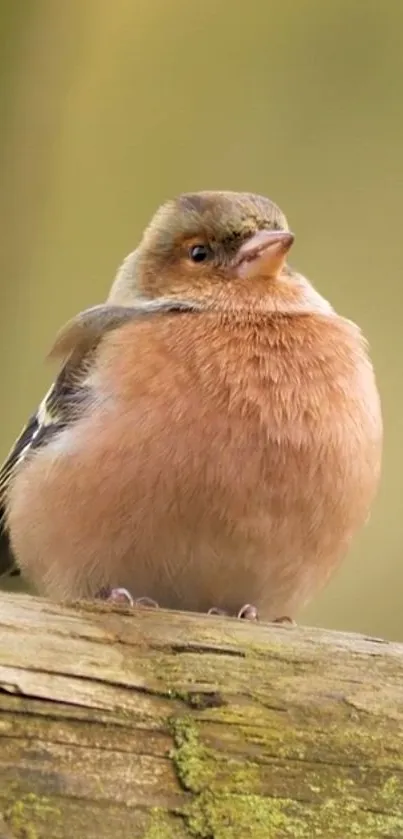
160, 725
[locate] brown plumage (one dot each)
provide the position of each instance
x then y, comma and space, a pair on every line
222, 437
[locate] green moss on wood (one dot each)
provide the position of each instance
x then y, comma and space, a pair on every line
160, 826
28, 815
223, 806
194, 763
269, 741
228, 816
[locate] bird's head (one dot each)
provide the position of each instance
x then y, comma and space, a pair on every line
212, 247
222, 251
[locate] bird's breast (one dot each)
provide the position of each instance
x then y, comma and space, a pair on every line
264, 408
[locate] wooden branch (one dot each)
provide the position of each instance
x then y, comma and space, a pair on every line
163, 725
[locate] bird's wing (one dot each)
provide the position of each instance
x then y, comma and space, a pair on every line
60, 407
77, 344
7, 565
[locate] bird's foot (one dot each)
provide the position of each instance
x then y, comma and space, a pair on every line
285, 620
122, 597
146, 603
248, 613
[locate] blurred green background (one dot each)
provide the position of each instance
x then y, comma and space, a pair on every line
107, 109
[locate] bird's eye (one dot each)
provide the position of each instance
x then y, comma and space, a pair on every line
199, 253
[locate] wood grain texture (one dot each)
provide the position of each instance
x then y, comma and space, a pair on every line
159, 725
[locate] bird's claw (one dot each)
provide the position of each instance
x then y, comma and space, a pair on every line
122, 597
248, 613
285, 620
146, 603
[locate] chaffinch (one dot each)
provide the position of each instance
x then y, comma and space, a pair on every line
217, 442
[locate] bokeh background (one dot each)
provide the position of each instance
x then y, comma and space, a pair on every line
107, 109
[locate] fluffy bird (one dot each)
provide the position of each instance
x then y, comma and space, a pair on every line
218, 439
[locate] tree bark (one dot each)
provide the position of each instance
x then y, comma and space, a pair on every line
160, 725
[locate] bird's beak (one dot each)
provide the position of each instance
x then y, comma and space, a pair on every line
264, 254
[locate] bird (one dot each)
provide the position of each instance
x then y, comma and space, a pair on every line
218, 441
